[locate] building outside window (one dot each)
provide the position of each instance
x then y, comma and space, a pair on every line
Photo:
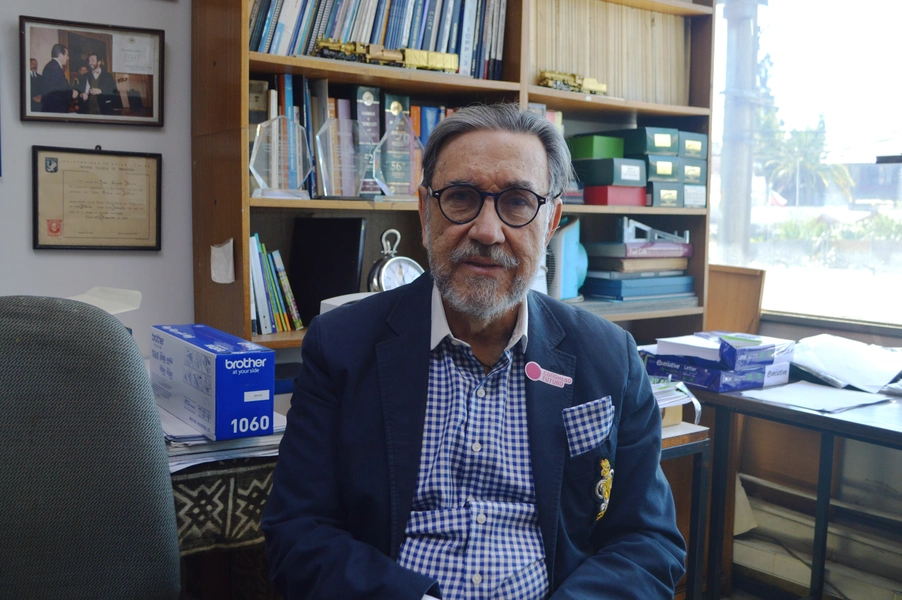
805, 101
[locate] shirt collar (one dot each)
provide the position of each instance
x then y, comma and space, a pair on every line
441, 330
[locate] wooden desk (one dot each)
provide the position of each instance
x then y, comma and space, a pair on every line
879, 424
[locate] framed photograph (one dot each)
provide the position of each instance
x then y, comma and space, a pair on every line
95, 199
86, 73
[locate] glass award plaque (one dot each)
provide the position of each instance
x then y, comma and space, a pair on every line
398, 159
341, 151
280, 160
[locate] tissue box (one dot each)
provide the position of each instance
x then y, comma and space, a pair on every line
219, 384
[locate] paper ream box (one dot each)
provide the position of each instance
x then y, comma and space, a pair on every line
693, 145
219, 384
716, 380
610, 171
614, 195
695, 170
663, 193
650, 140
595, 146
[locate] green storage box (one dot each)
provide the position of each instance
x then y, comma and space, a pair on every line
695, 171
611, 171
664, 194
595, 146
693, 145
650, 140
663, 168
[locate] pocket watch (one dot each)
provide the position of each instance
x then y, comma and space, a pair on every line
392, 271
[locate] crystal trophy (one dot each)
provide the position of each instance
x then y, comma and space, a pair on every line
342, 157
280, 160
398, 159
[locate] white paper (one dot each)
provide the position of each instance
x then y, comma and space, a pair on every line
812, 396
864, 366
112, 300
222, 263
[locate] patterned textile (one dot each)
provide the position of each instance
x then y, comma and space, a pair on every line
588, 424
473, 524
218, 505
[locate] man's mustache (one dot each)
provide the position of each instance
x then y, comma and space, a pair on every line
496, 254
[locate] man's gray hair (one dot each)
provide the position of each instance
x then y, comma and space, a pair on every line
502, 117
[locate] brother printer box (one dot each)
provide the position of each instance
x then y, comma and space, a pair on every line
219, 384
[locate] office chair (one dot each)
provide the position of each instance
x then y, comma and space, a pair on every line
86, 505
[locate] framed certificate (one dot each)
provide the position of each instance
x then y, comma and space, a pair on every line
95, 199
88, 73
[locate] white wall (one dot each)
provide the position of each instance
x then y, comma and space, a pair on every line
164, 278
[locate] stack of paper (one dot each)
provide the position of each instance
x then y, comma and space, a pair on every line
812, 396
188, 447
669, 392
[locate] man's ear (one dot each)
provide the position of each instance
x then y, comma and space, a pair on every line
423, 196
557, 206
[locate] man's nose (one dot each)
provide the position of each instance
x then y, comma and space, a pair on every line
487, 228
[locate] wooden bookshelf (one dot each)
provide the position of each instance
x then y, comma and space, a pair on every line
222, 66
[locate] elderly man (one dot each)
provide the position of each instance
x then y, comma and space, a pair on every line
462, 437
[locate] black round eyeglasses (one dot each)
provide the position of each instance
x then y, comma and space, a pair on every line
461, 203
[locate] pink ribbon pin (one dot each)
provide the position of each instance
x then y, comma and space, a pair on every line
537, 373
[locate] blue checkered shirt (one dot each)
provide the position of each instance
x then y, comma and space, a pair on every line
473, 524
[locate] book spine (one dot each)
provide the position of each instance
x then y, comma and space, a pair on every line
378, 31
429, 118
271, 26
265, 317
640, 249
306, 26
286, 289
277, 294
255, 323
433, 25
271, 300
285, 27
454, 34
259, 25
413, 24
467, 29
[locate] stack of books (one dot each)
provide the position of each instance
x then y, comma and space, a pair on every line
651, 273
720, 361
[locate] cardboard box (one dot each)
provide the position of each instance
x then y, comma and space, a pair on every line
614, 195
595, 146
610, 171
695, 170
650, 140
663, 168
219, 384
695, 196
663, 193
693, 145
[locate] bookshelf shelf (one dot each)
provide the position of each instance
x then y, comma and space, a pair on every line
589, 209
405, 205
627, 315
669, 7
286, 339
592, 106
409, 81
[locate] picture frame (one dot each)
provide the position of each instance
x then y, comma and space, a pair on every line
89, 73
96, 199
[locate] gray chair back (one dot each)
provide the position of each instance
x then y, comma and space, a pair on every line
86, 505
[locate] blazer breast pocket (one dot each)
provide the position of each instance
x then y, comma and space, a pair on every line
588, 425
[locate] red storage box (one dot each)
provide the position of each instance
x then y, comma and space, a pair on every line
614, 195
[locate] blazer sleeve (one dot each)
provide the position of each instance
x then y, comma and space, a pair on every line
312, 554
641, 553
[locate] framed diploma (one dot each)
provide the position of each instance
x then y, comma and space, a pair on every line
90, 73
95, 199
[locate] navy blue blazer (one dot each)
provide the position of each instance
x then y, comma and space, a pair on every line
347, 470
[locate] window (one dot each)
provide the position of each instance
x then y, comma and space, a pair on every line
805, 100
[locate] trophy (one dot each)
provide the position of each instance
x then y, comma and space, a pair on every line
280, 160
341, 150
398, 159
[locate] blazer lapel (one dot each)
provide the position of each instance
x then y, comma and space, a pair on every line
544, 404
403, 365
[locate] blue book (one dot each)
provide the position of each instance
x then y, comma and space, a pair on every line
637, 287
293, 44
454, 31
395, 16
259, 24
433, 16
377, 34
413, 34
305, 26
332, 19
269, 29
429, 118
